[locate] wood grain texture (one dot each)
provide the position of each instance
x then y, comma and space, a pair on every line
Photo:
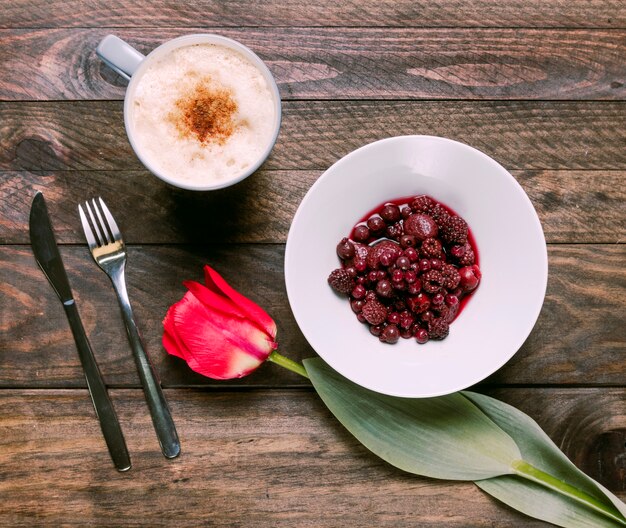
325, 63
573, 206
258, 458
314, 134
218, 13
578, 338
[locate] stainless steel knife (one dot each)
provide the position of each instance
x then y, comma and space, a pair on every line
49, 259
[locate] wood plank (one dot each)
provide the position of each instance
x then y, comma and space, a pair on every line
573, 206
314, 134
578, 338
403, 13
258, 458
369, 63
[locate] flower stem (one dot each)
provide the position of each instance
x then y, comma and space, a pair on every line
289, 364
529, 472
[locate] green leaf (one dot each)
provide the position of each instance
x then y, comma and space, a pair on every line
469, 436
539, 502
542, 453
446, 437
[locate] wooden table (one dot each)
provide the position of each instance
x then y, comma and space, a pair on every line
539, 86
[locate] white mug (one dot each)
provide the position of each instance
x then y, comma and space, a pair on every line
131, 64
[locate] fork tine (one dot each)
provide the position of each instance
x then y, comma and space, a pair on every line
91, 241
102, 225
96, 229
115, 231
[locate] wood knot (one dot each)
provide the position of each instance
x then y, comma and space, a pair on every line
36, 154
110, 76
605, 460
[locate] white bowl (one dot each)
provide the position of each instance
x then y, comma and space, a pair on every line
512, 254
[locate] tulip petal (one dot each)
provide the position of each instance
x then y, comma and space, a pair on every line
216, 345
213, 300
171, 343
216, 283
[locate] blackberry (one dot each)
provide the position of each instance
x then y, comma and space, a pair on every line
341, 281
438, 329
439, 214
453, 230
451, 276
431, 248
468, 259
422, 204
432, 281
374, 312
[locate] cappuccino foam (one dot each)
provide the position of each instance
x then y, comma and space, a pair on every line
202, 114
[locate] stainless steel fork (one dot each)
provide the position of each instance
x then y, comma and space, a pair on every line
108, 250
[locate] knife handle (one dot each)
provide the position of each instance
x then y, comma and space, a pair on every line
102, 403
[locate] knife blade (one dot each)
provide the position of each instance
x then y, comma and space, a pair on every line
49, 259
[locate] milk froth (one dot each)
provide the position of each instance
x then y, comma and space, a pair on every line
202, 114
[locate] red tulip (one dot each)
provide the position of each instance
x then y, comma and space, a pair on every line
219, 333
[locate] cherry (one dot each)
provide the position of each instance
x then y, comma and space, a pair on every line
403, 263
393, 318
410, 276
406, 211
390, 334
384, 289
415, 287
376, 330
408, 241
361, 233
390, 213
345, 249
421, 336
397, 275
411, 253
470, 277
357, 305
376, 224
358, 292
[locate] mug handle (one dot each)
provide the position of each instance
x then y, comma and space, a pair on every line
119, 55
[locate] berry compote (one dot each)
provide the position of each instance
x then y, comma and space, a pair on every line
408, 268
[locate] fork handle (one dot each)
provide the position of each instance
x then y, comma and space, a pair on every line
159, 411
97, 389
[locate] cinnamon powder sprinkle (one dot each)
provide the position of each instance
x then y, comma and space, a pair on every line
206, 113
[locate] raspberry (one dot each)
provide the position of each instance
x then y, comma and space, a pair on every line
374, 312
341, 281
432, 281
386, 246
451, 277
418, 304
394, 231
454, 230
431, 248
422, 204
421, 226
438, 329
